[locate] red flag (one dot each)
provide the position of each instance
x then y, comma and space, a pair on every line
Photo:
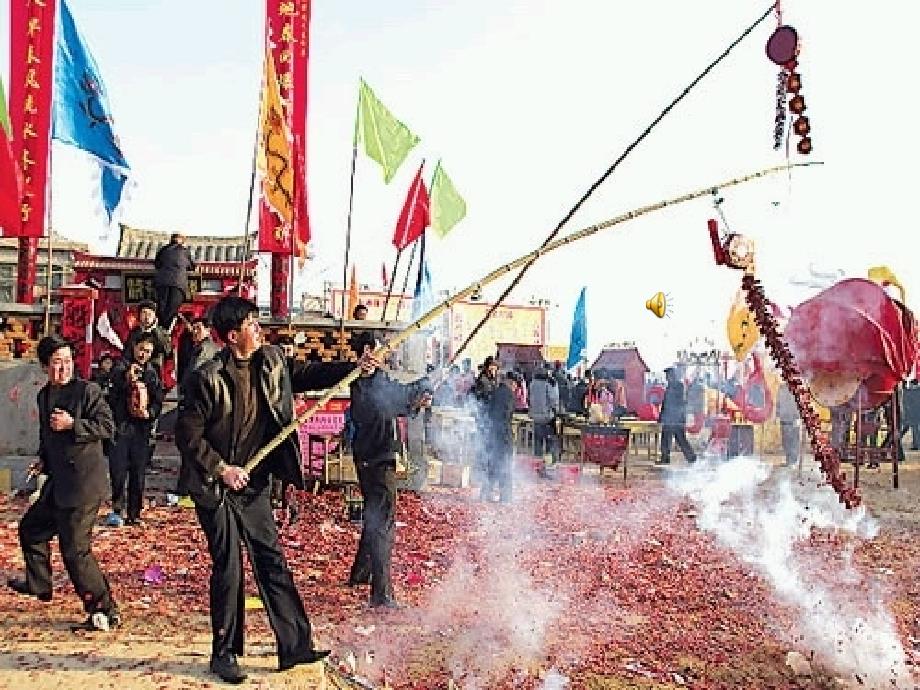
31, 83
10, 189
414, 217
288, 26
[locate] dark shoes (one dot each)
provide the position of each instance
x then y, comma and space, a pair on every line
20, 586
228, 669
387, 603
311, 656
134, 522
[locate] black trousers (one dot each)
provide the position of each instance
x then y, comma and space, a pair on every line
375, 550
74, 529
679, 433
499, 473
545, 440
128, 464
247, 517
169, 299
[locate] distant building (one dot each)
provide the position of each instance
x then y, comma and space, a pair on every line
623, 362
62, 260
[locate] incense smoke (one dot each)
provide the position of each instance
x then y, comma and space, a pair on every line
840, 615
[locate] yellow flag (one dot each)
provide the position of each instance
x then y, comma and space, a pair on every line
741, 328
274, 159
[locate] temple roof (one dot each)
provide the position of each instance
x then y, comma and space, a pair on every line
618, 358
135, 243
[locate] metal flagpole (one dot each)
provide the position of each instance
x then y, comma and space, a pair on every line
351, 206
399, 299
386, 302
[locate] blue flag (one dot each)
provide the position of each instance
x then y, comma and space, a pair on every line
578, 341
423, 297
81, 115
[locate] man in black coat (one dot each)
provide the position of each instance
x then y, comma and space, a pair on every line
376, 402
232, 406
131, 451
499, 440
173, 262
74, 420
673, 418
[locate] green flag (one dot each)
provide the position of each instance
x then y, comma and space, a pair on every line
386, 139
447, 206
4, 117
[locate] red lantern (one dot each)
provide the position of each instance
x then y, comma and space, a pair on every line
801, 126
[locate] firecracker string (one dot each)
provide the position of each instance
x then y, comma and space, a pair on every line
824, 452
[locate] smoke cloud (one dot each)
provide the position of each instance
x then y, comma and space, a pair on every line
840, 615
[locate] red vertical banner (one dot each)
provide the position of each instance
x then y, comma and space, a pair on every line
31, 86
288, 25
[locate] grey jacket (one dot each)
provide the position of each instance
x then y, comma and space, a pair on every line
544, 401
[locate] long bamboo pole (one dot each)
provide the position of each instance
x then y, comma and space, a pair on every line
388, 346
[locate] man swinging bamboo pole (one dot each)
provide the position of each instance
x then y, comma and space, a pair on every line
386, 347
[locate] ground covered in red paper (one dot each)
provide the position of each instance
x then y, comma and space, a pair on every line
572, 586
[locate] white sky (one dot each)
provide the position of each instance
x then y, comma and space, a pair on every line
527, 103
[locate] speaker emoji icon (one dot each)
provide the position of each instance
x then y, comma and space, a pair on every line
658, 304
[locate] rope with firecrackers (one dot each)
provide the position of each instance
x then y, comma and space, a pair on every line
824, 452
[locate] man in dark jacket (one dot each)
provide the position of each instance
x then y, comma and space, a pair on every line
673, 418
202, 348
234, 404
131, 451
172, 263
499, 440
74, 419
376, 401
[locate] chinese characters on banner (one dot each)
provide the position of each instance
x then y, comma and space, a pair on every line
288, 35
138, 287
31, 82
288, 24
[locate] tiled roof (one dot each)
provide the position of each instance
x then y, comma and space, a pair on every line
135, 243
618, 358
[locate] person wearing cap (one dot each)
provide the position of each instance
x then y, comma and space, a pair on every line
673, 419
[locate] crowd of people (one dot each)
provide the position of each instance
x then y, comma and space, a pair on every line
96, 441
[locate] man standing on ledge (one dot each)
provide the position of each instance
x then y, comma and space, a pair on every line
73, 421
232, 406
172, 263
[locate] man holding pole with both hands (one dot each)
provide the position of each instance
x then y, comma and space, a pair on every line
232, 406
